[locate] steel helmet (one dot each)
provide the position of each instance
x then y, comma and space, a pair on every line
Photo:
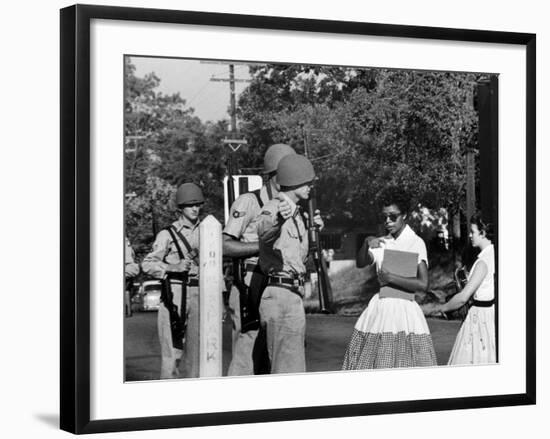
274, 154
295, 170
189, 193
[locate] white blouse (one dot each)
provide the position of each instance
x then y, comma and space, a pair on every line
486, 290
407, 241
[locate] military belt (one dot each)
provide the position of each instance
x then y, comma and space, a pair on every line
288, 283
192, 281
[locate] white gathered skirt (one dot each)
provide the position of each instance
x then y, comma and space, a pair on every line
475, 341
390, 333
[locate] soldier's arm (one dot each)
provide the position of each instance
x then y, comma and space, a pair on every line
237, 249
153, 264
131, 269
240, 216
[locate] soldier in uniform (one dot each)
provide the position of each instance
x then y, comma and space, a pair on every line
284, 249
165, 260
131, 270
240, 240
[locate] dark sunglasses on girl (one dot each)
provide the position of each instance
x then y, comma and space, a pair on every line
392, 216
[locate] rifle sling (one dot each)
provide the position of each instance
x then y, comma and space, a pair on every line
173, 231
258, 198
183, 305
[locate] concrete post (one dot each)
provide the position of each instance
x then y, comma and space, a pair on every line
211, 303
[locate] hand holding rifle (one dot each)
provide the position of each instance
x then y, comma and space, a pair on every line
182, 266
318, 222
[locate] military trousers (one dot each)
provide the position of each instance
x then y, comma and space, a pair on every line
177, 363
283, 319
249, 355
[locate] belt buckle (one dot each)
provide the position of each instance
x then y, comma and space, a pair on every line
296, 282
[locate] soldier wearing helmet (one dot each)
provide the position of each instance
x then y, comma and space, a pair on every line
284, 249
166, 259
240, 240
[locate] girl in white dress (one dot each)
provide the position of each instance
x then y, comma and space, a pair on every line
475, 342
392, 332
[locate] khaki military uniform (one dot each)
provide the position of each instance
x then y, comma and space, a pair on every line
131, 269
284, 249
174, 362
241, 226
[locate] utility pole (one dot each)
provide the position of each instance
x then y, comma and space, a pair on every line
232, 100
470, 173
470, 184
233, 141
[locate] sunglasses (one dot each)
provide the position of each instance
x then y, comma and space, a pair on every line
182, 206
392, 216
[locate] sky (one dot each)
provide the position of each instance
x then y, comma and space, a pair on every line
191, 78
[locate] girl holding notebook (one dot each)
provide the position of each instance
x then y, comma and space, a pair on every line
392, 331
475, 342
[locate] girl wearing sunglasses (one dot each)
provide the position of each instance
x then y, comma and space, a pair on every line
391, 331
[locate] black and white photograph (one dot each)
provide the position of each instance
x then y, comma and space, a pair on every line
353, 211
276, 218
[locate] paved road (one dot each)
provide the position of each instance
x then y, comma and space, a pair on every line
326, 342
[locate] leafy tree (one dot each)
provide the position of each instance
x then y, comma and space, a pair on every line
368, 128
166, 145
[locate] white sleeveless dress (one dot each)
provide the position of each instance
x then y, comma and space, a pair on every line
475, 342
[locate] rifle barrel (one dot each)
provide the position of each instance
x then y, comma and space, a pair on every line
323, 282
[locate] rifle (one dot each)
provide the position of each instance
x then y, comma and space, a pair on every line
323, 281
178, 321
248, 302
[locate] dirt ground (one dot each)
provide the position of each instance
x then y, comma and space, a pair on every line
327, 337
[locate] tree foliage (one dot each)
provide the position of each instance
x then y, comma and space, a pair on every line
365, 128
368, 128
166, 145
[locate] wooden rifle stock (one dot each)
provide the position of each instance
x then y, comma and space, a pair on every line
178, 321
323, 281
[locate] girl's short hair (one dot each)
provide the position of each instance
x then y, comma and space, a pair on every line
395, 195
483, 226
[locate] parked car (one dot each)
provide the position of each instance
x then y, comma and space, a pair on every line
148, 297
130, 292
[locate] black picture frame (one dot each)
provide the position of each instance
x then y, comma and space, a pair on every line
75, 217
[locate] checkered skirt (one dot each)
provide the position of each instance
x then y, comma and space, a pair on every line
390, 333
